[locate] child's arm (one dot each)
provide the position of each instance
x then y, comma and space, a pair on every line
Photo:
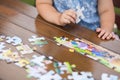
49, 13
107, 18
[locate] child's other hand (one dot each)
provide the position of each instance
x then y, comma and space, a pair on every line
67, 17
104, 34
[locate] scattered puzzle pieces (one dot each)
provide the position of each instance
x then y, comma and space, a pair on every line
37, 66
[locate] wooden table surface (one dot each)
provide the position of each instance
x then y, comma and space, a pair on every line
20, 19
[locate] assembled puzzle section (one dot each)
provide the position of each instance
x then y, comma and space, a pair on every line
84, 47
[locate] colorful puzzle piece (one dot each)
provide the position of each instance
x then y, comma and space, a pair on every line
40, 41
69, 67
35, 38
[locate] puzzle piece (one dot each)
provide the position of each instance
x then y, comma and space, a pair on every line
40, 41
63, 41
60, 68
35, 38
81, 76
23, 62
1, 57
79, 14
39, 60
69, 67
14, 40
56, 66
35, 71
33, 74
2, 37
10, 56
2, 46
24, 49
106, 77
51, 75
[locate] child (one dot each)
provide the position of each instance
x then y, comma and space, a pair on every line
97, 15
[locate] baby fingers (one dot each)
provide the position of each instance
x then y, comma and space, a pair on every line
108, 36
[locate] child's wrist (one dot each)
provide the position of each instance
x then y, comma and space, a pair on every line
58, 22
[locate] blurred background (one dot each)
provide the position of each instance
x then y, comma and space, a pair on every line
117, 11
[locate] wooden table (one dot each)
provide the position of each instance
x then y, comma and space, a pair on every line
20, 19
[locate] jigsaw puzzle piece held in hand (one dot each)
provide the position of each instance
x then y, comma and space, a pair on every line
79, 13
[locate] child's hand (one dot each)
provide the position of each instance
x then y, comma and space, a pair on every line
104, 34
67, 17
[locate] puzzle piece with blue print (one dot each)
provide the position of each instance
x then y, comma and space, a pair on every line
14, 40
